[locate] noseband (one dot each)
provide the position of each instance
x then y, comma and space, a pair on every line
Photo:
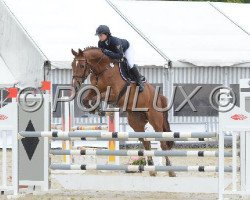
91, 69
82, 66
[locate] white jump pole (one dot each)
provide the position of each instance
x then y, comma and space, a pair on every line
4, 159
221, 183
47, 126
234, 161
245, 136
15, 174
15, 166
66, 126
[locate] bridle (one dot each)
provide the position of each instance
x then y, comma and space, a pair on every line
91, 69
81, 66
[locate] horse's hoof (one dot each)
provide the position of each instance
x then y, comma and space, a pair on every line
172, 174
152, 173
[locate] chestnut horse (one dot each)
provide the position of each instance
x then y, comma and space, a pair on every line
105, 72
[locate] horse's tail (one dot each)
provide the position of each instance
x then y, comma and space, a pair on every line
166, 125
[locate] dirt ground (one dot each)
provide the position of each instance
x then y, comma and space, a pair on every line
59, 192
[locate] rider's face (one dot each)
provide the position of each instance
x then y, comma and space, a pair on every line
102, 37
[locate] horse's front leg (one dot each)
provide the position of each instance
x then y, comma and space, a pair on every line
95, 101
88, 98
102, 97
111, 97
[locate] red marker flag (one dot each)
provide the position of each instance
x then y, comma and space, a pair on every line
12, 93
46, 85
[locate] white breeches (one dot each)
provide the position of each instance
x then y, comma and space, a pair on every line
129, 54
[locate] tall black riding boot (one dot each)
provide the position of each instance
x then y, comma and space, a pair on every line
135, 73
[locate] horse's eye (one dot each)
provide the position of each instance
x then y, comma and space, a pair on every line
82, 66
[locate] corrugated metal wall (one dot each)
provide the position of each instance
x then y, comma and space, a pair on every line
188, 75
204, 75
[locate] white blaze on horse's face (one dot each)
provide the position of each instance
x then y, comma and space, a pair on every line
76, 63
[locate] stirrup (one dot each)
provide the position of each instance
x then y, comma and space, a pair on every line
141, 87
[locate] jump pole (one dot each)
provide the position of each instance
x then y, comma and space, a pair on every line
113, 126
67, 121
66, 126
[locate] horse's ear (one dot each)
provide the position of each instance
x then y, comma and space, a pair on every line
80, 51
73, 52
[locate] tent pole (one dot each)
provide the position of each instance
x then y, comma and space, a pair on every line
236, 24
140, 33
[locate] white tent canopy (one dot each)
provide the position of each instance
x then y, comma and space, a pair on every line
187, 32
59, 25
192, 32
239, 13
6, 78
23, 58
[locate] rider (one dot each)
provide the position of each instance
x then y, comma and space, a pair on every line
115, 48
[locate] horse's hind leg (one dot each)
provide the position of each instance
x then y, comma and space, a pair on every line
147, 146
164, 147
138, 120
157, 120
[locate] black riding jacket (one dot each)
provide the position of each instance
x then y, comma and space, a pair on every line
115, 46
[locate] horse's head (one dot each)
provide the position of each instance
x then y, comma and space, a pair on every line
84, 63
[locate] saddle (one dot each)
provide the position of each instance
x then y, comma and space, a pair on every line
124, 71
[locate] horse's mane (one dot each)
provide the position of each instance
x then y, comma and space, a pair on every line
90, 47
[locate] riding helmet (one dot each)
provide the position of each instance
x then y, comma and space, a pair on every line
102, 29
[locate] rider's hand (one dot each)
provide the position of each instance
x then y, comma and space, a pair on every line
105, 51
